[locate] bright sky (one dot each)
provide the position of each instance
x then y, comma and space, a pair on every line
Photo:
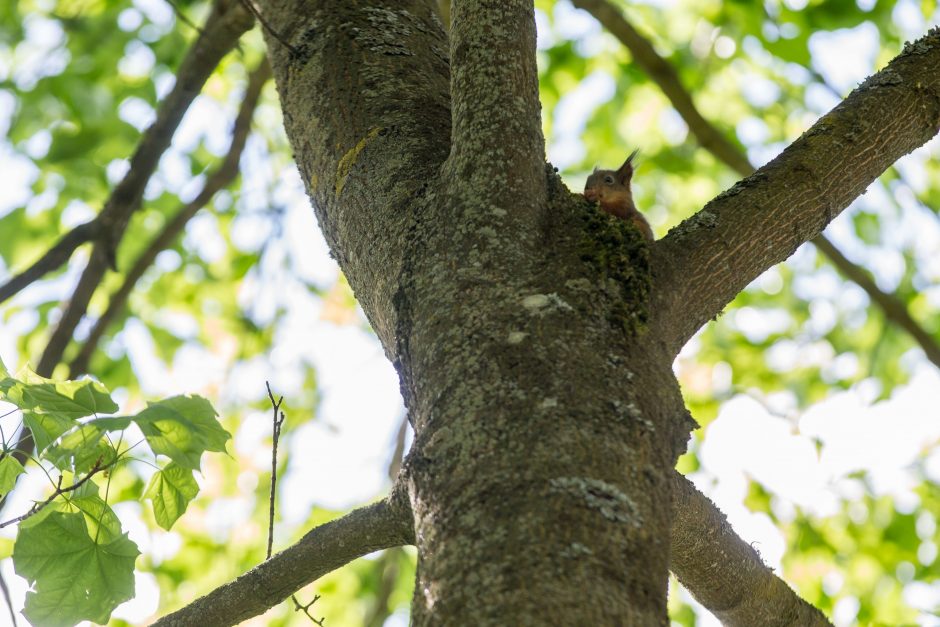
347, 447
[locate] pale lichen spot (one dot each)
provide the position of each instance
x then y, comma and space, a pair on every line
543, 303
535, 301
605, 498
516, 337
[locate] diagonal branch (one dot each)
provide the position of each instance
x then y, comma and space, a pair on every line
324, 549
221, 178
52, 259
225, 25
892, 307
662, 72
664, 75
716, 566
703, 263
495, 103
724, 573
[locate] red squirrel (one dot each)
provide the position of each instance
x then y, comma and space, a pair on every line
611, 189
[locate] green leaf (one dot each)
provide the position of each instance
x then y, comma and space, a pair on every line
103, 524
10, 469
73, 577
46, 428
71, 399
171, 490
182, 428
81, 449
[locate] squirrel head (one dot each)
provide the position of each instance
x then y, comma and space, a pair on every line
611, 188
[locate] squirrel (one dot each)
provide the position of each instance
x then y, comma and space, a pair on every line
611, 190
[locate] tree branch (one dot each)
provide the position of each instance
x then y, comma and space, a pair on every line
704, 262
495, 102
664, 75
716, 142
219, 179
52, 259
226, 23
892, 307
726, 574
378, 526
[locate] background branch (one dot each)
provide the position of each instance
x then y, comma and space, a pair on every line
52, 259
227, 21
221, 178
225, 24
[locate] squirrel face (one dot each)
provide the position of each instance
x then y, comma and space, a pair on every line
611, 189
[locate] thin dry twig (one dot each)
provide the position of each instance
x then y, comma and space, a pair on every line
254, 11
277, 422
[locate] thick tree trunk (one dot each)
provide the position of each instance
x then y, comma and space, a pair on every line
533, 334
546, 437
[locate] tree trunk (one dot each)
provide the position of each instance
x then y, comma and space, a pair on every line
533, 334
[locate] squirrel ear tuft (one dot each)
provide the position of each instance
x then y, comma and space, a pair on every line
625, 172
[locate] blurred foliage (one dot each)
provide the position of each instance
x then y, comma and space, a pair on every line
79, 79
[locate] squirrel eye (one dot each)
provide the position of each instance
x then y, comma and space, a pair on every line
609, 179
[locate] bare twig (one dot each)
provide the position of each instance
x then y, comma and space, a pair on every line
664, 75
298, 607
264, 24
182, 16
277, 421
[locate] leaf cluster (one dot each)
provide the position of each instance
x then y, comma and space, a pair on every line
71, 547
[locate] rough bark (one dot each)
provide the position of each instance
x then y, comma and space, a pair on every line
510, 307
546, 413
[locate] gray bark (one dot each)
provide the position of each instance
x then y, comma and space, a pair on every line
533, 334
